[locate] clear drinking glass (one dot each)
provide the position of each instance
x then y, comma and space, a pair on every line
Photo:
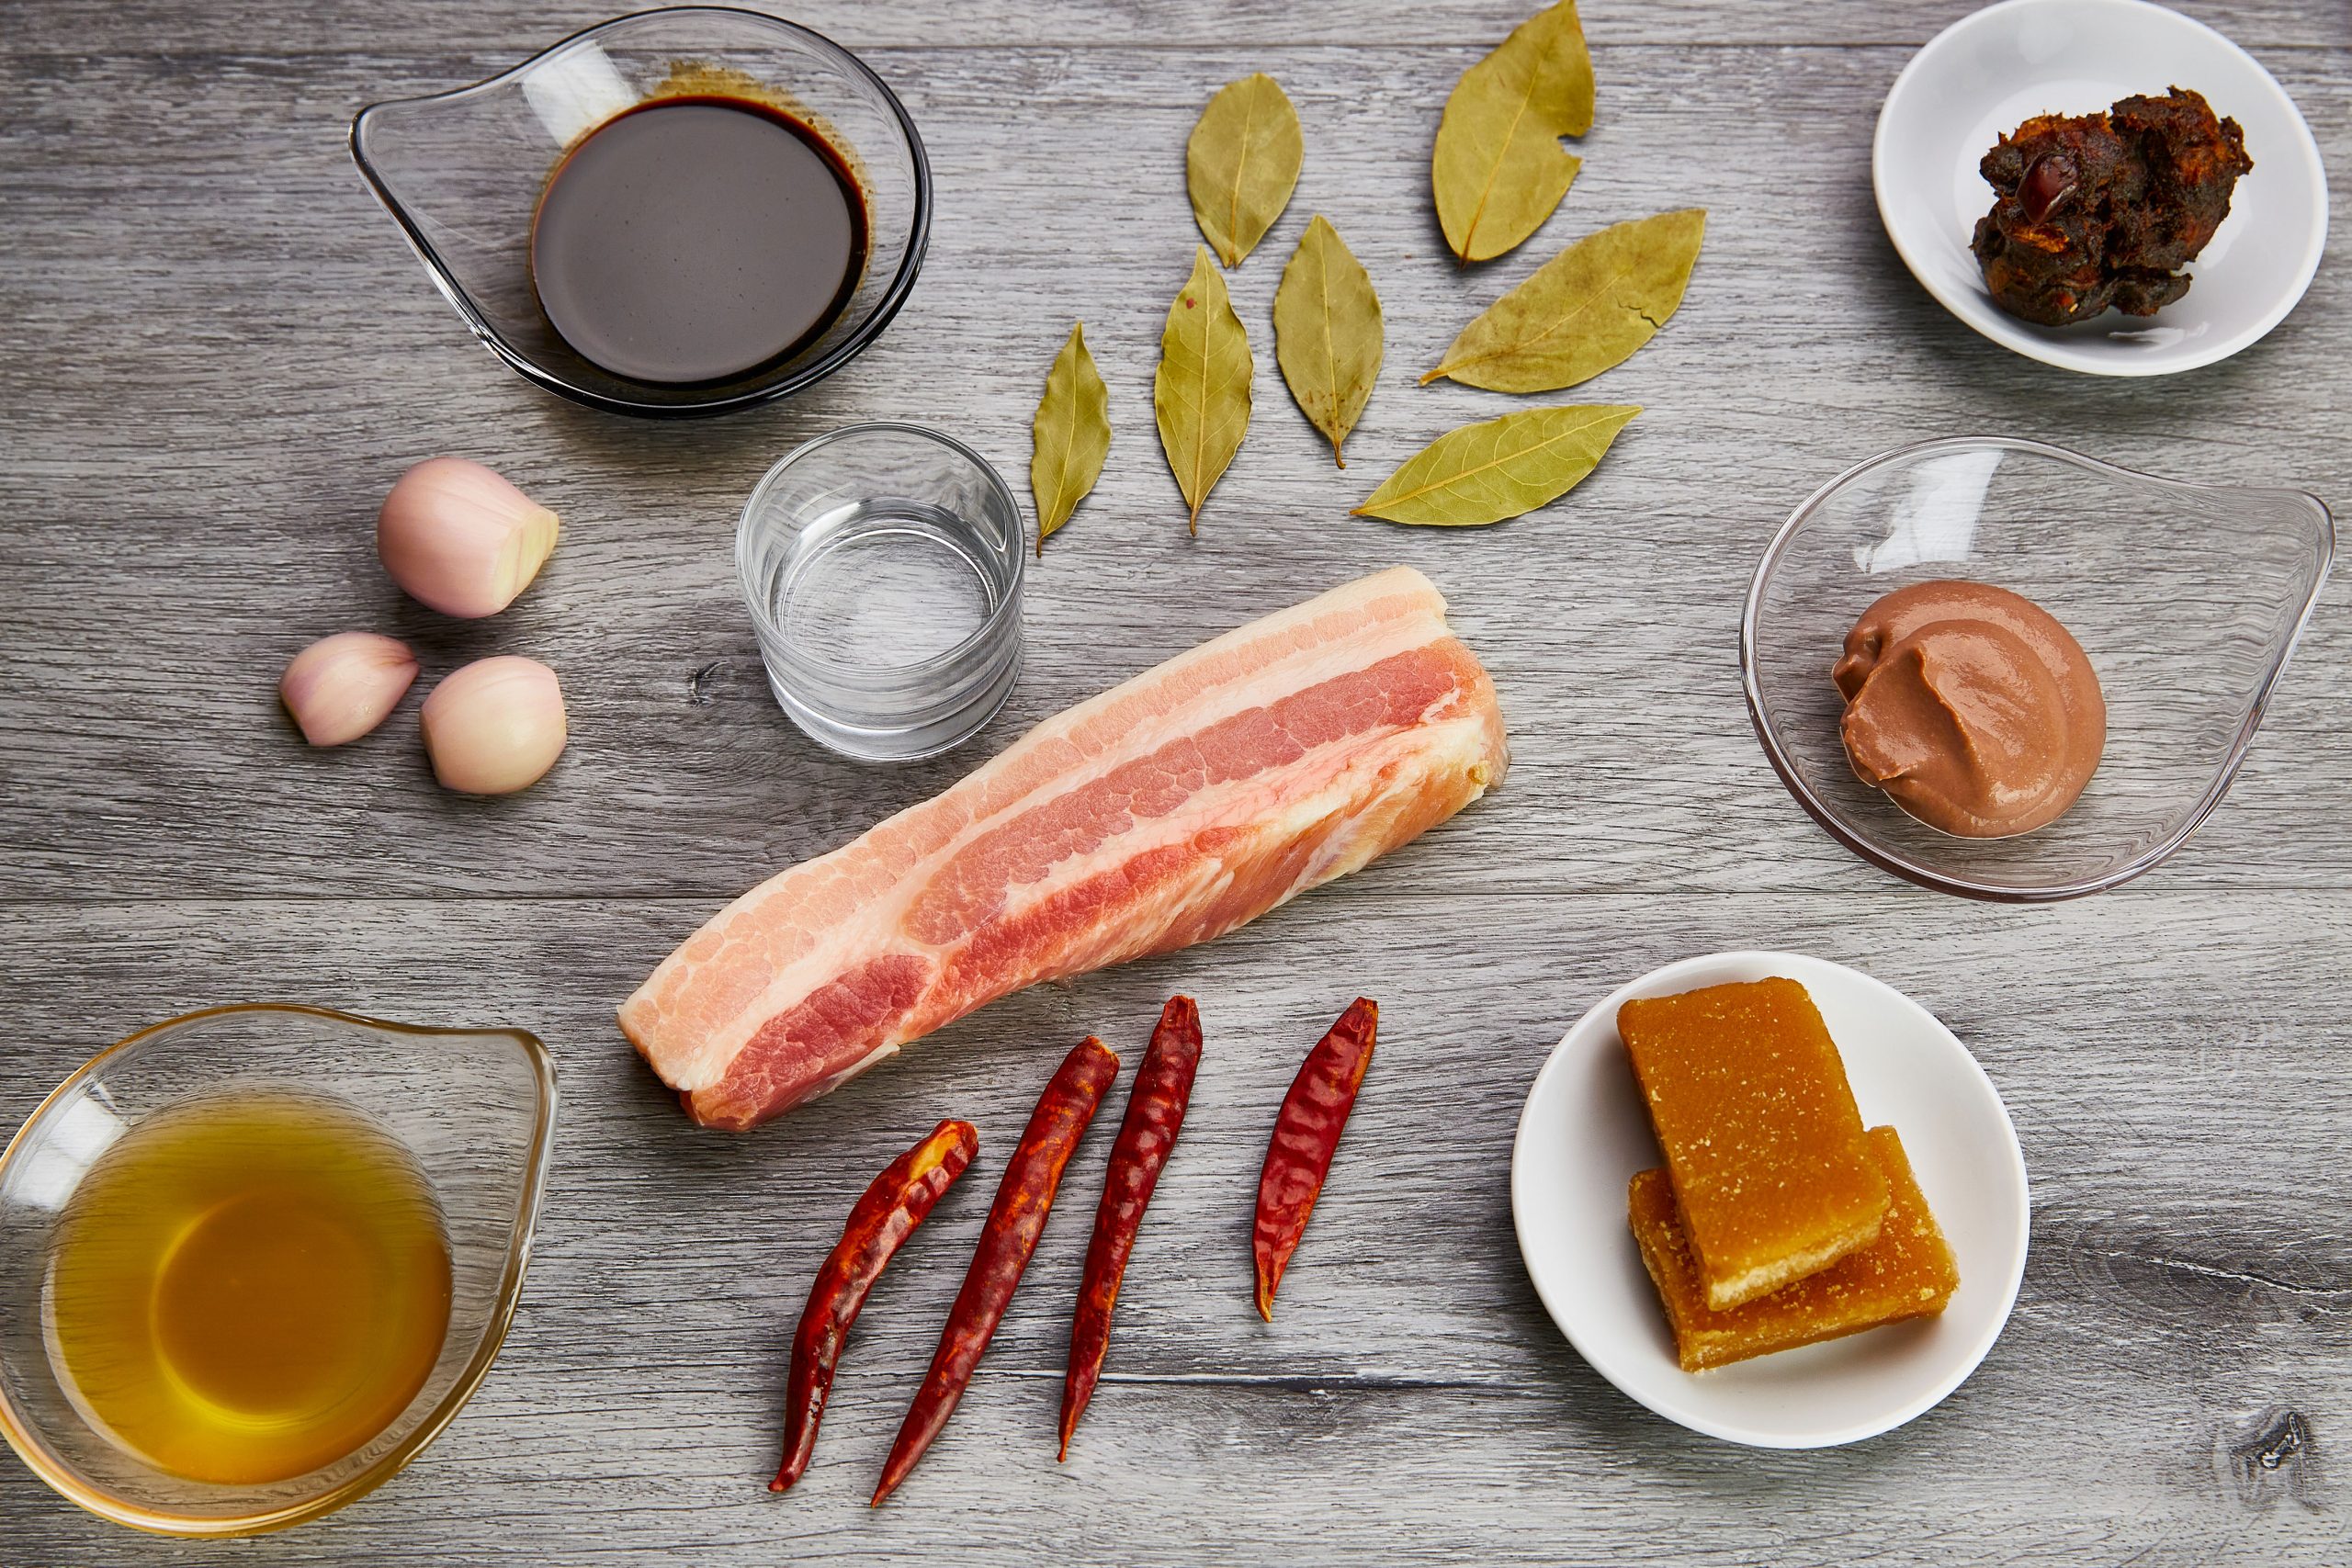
2188, 599
882, 564
475, 1109
463, 171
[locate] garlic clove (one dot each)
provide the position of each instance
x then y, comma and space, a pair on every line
340, 687
459, 538
495, 726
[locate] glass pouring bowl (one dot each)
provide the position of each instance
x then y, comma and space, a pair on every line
463, 171
474, 1107
2188, 599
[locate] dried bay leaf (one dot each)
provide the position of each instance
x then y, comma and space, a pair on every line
1484, 473
1071, 435
1242, 162
1587, 308
1500, 169
1327, 332
1201, 393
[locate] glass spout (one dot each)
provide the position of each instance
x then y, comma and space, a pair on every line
473, 1108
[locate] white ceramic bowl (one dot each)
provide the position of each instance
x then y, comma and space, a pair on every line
1986, 74
1584, 1134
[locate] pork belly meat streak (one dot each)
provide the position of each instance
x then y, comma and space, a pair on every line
1164, 812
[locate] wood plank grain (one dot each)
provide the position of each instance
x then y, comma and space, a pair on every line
2190, 1285
502, 33
220, 354
253, 360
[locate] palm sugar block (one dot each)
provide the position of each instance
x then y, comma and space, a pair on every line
1772, 1173
1907, 1272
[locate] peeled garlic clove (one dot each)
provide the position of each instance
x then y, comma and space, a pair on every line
461, 539
340, 687
495, 726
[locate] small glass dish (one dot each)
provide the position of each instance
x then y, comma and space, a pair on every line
2188, 599
462, 171
882, 566
474, 1107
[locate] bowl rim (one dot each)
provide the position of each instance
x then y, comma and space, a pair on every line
2036, 343
1990, 889
859, 339
23, 1438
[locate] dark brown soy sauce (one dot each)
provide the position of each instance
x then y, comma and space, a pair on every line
696, 239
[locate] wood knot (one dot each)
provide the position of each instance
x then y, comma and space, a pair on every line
2280, 1459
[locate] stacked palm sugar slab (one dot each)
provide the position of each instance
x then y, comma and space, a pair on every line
1906, 1272
1777, 1221
1762, 1141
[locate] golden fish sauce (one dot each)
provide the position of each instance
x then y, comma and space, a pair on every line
245, 1287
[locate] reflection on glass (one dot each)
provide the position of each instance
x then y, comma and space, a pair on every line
1936, 519
83, 1131
576, 91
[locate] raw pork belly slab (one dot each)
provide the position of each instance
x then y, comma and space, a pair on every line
1162, 813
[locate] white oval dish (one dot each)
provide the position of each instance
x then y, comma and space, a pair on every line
1584, 1134
1986, 74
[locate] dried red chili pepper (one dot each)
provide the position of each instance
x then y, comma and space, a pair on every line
1156, 1103
1024, 1199
1305, 1135
892, 1207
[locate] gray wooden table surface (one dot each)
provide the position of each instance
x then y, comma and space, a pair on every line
216, 353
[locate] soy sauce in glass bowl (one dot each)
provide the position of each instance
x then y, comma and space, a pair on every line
698, 238
471, 174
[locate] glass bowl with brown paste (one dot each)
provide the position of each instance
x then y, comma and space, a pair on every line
2186, 600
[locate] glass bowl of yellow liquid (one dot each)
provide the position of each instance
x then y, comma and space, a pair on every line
254, 1259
